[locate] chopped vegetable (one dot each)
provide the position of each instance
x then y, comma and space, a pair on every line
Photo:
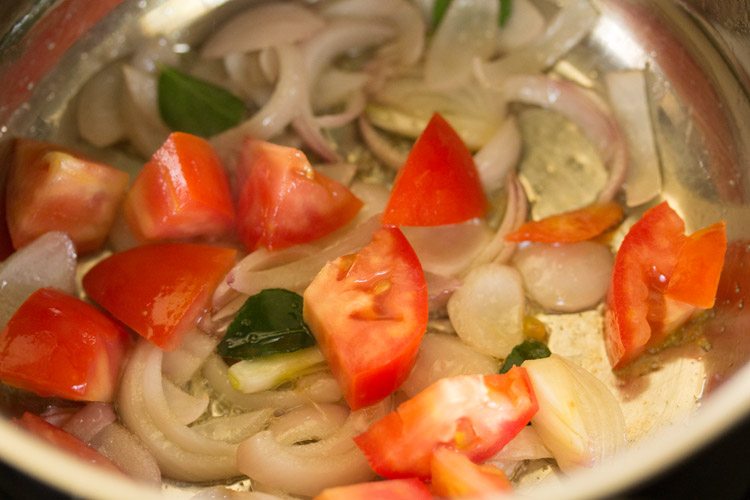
268, 323
570, 227
455, 476
57, 345
438, 184
50, 188
368, 312
188, 104
506, 9
159, 290
283, 201
528, 349
394, 489
475, 415
441, 6
261, 374
182, 192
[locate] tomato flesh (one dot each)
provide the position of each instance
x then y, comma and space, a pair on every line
570, 227
63, 440
454, 475
53, 189
159, 290
438, 184
368, 312
283, 201
394, 489
475, 415
57, 345
182, 192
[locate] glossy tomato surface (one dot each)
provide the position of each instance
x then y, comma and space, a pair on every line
438, 184
54, 189
368, 312
570, 227
454, 475
394, 489
182, 192
475, 415
57, 345
283, 201
159, 290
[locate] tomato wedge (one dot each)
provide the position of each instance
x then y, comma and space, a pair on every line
368, 312
159, 290
438, 184
475, 415
660, 276
63, 440
283, 201
454, 475
50, 188
57, 345
570, 227
182, 192
394, 489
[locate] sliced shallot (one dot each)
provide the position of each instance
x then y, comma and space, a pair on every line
89, 420
127, 452
499, 155
183, 405
379, 146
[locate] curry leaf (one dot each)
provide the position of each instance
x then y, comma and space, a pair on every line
528, 349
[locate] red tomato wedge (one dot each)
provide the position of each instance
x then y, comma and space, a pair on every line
368, 312
454, 475
159, 290
283, 201
394, 489
53, 189
438, 184
641, 310
570, 227
57, 345
63, 440
475, 415
182, 192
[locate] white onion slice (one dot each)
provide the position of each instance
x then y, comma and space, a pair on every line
570, 25
180, 365
48, 261
235, 428
525, 25
487, 310
467, 30
379, 146
579, 420
184, 406
247, 78
98, 110
526, 445
355, 106
140, 111
320, 387
308, 423
125, 450
334, 86
627, 94
499, 155
565, 277
152, 54
267, 25
441, 356
89, 420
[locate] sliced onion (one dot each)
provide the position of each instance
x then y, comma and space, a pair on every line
140, 111
308, 423
308, 129
48, 261
525, 25
382, 148
334, 86
355, 106
565, 277
439, 290
441, 356
183, 405
89, 420
467, 30
627, 93
340, 172
499, 155
224, 493
579, 420
487, 310
180, 365
125, 450
98, 110
247, 78
374, 195
267, 25
235, 428
570, 25
526, 445
320, 387
153, 54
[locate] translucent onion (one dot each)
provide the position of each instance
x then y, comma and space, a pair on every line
565, 277
235, 428
183, 405
180, 365
526, 445
125, 450
340, 172
579, 420
487, 310
380, 146
98, 110
246, 77
334, 86
439, 290
224, 493
355, 106
442, 355
266, 25
140, 111
48, 261
308, 423
525, 25
89, 420
499, 155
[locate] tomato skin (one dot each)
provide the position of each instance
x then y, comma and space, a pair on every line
283, 201
57, 345
159, 290
61, 439
182, 192
570, 227
50, 188
438, 184
394, 489
475, 415
368, 311
454, 475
